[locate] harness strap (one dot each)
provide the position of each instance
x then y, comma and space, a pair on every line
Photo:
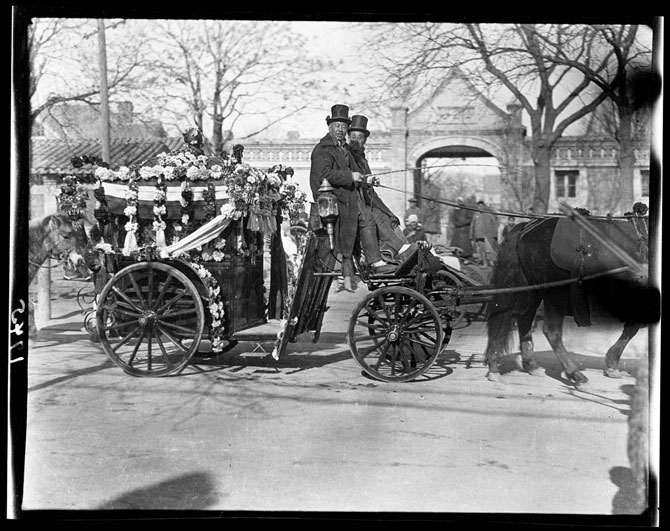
544, 285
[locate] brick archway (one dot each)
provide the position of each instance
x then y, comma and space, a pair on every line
432, 144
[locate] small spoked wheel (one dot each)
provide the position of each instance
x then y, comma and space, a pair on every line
395, 334
86, 297
150, 319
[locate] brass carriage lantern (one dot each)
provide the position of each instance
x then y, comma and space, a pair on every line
328, 210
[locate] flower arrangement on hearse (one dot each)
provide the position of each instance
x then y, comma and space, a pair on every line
185, 204
173, 194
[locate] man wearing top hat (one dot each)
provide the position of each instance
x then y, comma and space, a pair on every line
383, 221
332, 160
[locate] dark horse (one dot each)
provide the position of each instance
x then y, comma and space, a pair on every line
556, 249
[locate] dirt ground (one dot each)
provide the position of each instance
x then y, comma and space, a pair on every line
242, 434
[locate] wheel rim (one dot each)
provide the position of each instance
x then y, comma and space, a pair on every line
150, 319
395, 334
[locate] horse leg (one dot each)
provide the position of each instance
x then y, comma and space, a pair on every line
614, 353
526, 360
553, 330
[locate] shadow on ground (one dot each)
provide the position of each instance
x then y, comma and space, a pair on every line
189, 491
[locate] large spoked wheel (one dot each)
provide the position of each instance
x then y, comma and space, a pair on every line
150, 319
395, 334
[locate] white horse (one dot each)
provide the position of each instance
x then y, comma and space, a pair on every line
54, 236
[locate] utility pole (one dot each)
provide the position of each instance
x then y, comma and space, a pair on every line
104, 94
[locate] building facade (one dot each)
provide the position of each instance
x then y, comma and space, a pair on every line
456, 142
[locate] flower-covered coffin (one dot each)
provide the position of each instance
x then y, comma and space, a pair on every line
173, 201
176, 184
185, 186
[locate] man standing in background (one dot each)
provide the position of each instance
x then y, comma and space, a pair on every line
484, 233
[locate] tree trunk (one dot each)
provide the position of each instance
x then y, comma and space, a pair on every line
542, 163
626, 161
217, 135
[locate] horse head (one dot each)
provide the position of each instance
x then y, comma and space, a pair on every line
66, 239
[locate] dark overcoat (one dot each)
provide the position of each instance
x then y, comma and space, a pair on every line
461, 219
335, 164
362, 166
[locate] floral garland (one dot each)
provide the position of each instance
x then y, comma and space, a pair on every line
283, 324
186, 202
171, 167
132, 225
72, 198
101, 209
209, 195
216, 307
160, 210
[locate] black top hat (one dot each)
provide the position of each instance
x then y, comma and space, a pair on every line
340, 113
359, 123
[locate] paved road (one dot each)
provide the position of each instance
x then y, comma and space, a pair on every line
311, 433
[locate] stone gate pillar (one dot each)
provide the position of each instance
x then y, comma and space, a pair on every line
401, 180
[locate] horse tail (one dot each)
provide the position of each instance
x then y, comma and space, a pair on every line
506, 273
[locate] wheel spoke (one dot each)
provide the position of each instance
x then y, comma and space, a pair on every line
130, 302
366, 351
172, 339
170, 302
422, 343
137, 289
384, 307
175, 313
368, 337
136, 348
116, 310
405, 360
409, 312
126, 339
420, 351
159, 299
151, 287
149, 356
375, 326
176, 327
162, 347
118, 326
382, 355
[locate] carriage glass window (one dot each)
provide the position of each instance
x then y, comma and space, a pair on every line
644, 178
566, 183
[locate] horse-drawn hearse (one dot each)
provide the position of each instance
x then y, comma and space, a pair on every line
193, 263
184, 240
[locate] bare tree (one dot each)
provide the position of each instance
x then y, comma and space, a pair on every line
64, 65
517, 59
623, 80
220, 71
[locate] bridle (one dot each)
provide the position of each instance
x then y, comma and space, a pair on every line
42, 266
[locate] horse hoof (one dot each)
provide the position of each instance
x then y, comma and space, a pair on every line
613, 373
537, 371
577, 379
493, 376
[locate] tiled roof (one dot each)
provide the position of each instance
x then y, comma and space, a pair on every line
53, 156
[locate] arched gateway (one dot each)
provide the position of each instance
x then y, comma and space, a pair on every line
457, 143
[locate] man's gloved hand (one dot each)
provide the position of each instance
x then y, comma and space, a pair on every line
374, 181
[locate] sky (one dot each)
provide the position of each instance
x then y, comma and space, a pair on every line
339, 41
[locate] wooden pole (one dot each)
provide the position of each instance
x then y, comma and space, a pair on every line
42, 313
104, 92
